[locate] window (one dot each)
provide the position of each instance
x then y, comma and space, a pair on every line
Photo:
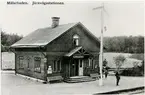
92, 65
76, 40
85, 63
28, 61
21, 64
37, 62
57, 66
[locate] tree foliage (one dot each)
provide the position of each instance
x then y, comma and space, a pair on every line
119, 60
137, 70
8, 39
131, 44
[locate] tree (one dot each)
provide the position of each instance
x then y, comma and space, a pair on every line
140, 45
119, 60
3, 38
7, 40
131, 44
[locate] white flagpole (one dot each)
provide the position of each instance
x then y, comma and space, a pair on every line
101, 46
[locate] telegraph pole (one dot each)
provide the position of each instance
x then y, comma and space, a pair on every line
101, 46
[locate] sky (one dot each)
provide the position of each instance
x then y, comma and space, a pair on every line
122, 18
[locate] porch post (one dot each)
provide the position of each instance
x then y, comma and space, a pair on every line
89, 62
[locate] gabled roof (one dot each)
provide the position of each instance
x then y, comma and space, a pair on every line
73, 51
44, 36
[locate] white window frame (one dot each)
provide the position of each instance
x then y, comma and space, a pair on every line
55, 66
28, 63
76, 39
21, 62
36, 67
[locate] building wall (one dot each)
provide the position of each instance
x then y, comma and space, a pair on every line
64, 43
54, 56
30, 72
7, 61
55, 51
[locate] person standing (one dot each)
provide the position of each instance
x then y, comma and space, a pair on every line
106, 72
105, 63
117, 78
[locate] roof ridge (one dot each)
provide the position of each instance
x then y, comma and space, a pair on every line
43, 36
62, 27
58, 25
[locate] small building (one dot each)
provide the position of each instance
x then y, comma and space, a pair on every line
65, 50
7, 61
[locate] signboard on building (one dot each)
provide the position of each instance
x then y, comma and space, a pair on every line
78, 56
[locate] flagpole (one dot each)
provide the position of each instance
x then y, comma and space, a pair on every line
101, 43
101, 46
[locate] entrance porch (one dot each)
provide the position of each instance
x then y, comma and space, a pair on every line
78, 62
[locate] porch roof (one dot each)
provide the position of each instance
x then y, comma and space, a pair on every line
73, 51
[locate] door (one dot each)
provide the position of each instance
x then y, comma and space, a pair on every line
74, 67
80, 67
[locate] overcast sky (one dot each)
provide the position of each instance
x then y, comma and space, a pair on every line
122, 18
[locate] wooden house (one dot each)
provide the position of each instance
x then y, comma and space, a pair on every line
69, 50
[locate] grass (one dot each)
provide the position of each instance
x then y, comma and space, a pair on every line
129, 63
137, 56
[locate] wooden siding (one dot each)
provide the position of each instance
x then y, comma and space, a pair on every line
54, 56
30, 72
56, 50
64, 43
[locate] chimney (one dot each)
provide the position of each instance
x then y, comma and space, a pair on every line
55, 22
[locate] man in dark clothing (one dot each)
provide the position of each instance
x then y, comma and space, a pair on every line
105, 63
117, 78
106, 72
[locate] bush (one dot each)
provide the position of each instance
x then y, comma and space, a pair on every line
119, 61
136, 71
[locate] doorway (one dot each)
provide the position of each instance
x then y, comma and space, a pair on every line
74, 67
81, 67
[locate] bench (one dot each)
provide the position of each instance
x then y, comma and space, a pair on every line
95, 76
54, 78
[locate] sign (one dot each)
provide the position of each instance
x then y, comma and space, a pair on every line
75, 56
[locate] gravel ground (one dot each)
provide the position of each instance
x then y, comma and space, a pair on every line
16, 85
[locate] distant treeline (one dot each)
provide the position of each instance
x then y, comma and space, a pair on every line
8, 39
131, 44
